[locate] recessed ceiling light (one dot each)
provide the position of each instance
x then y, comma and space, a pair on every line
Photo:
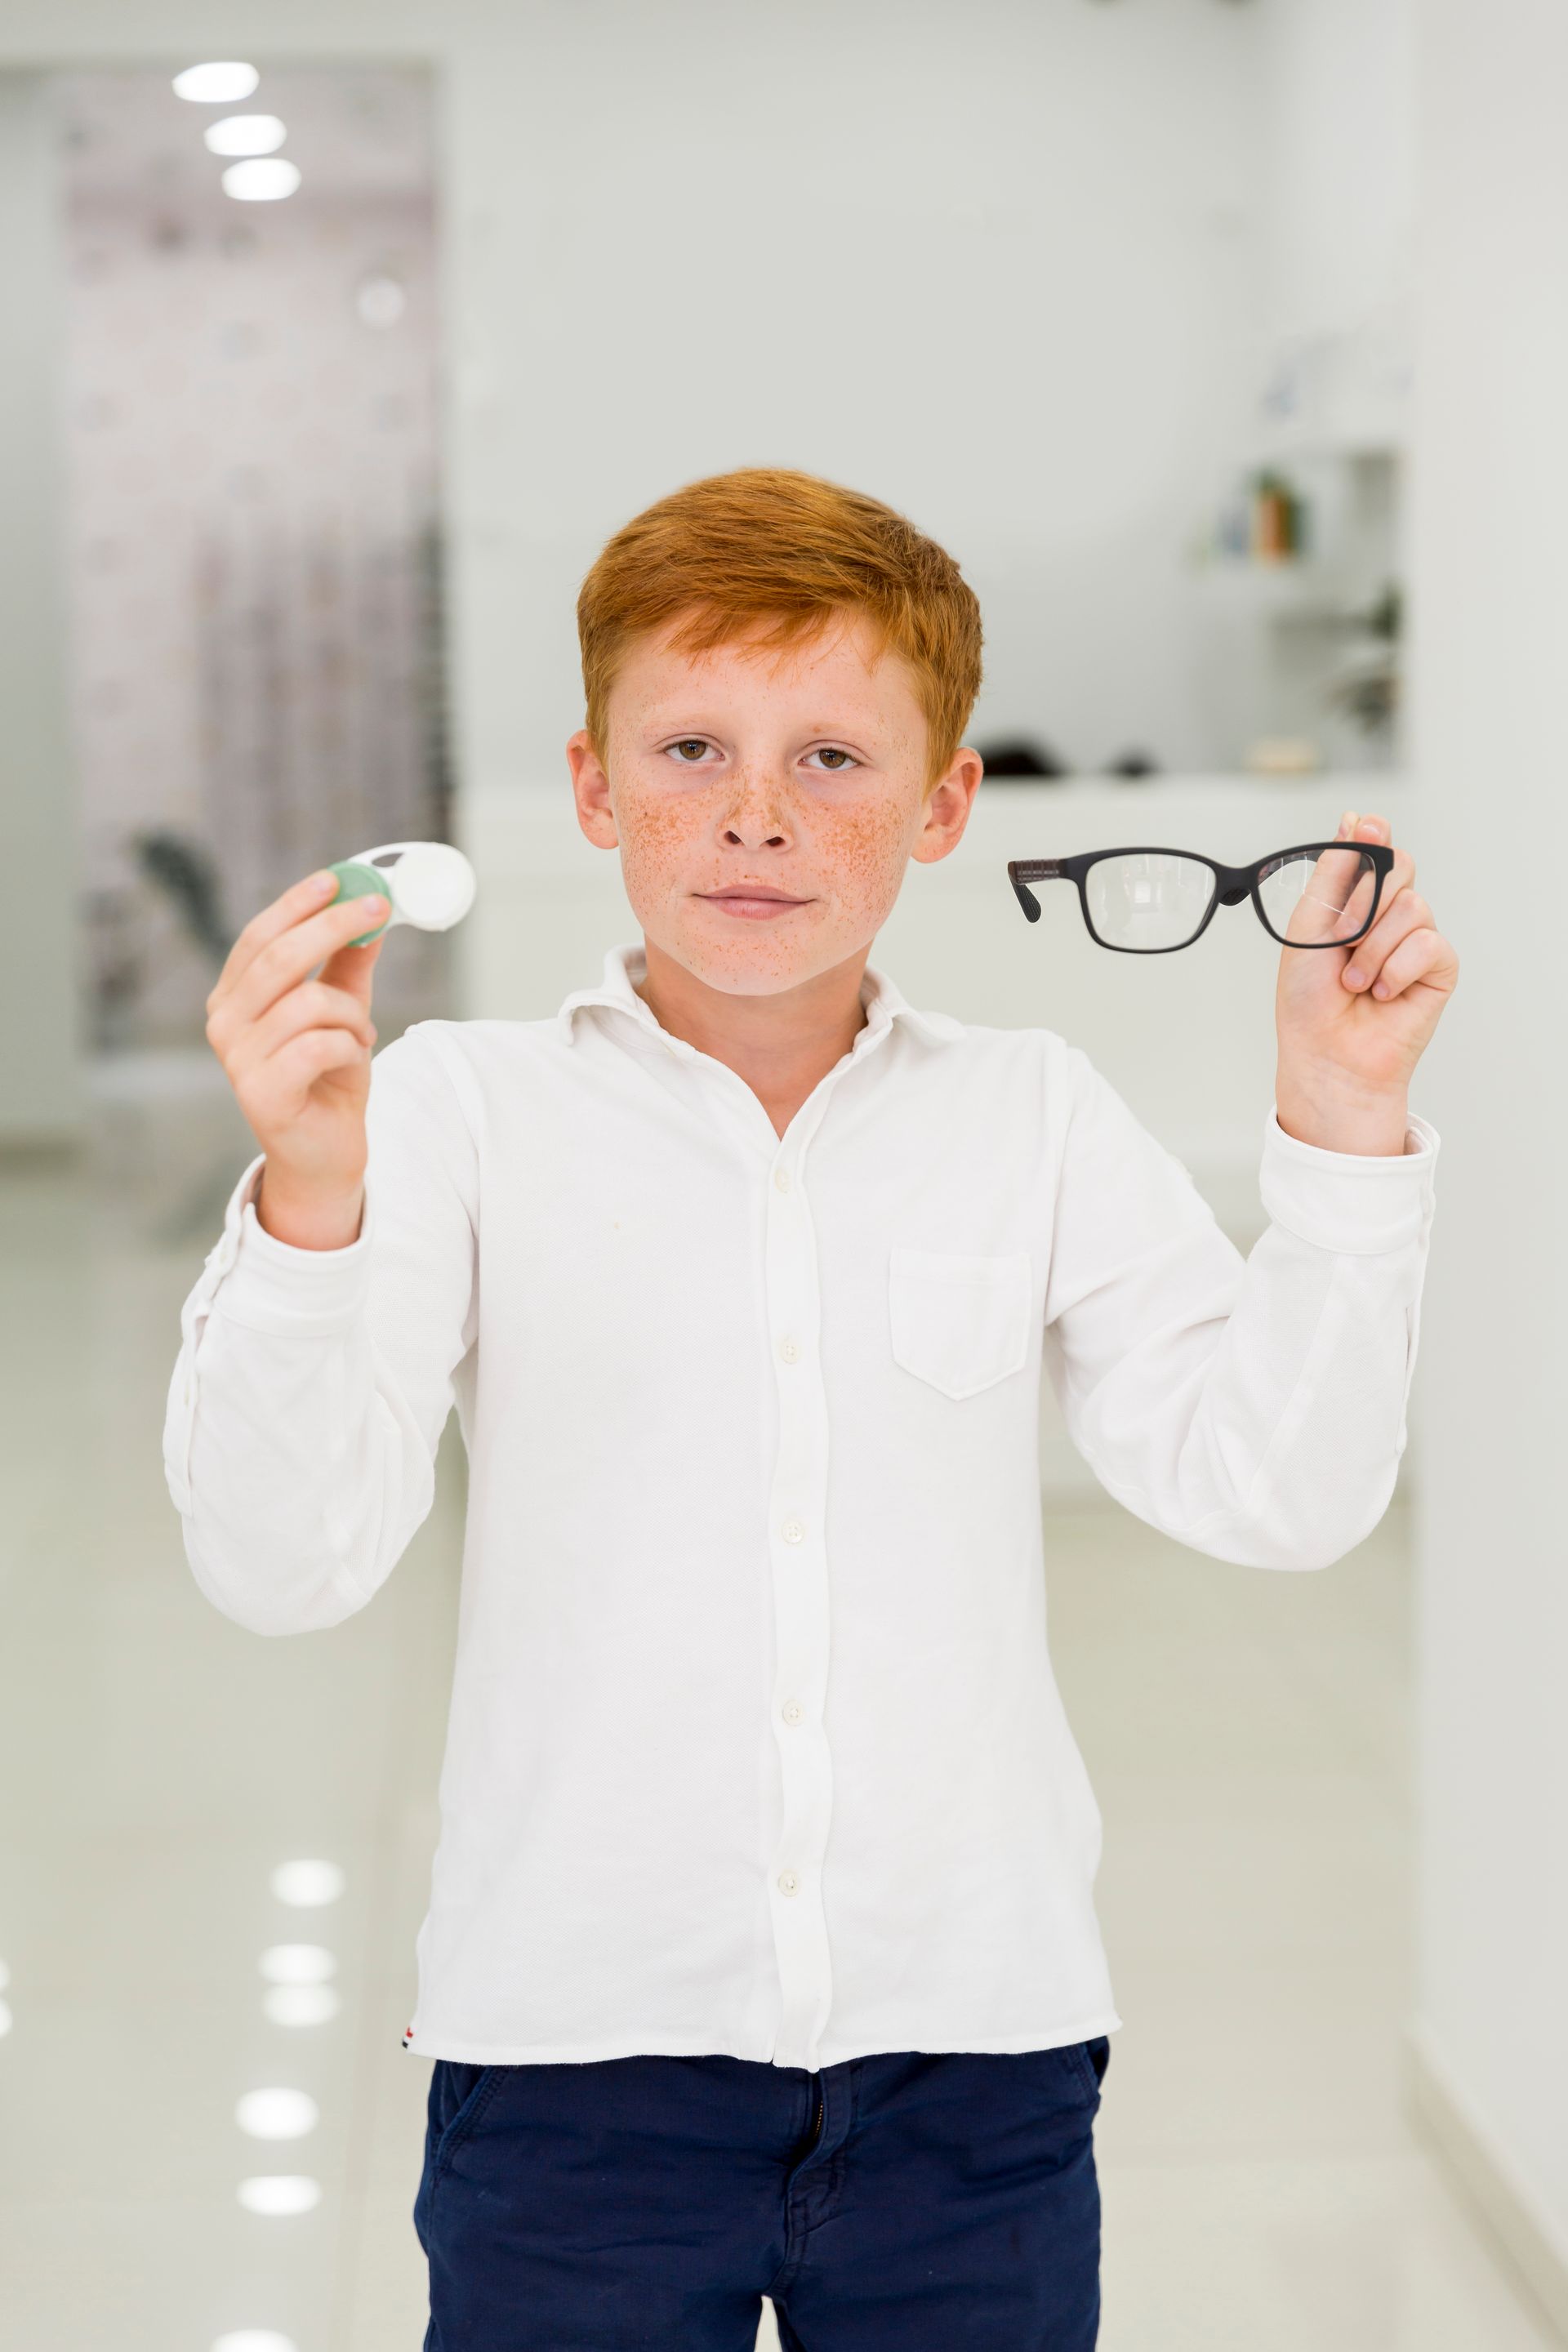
245, 135
307, 1884
255, 2340
279, 2193
277, 2113
298, 1964
218, 84
5, 2019
306, 2004
262, 180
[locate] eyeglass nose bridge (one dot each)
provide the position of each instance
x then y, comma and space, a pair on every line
1234, 893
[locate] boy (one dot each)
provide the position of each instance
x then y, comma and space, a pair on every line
761, 1956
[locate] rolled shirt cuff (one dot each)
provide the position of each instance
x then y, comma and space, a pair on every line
268, 1284
1354, 1202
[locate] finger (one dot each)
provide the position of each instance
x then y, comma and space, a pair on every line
1407, 913
283, 960
1336, 897
1377, 828
314, 1004
1367, 896
293, 1069
352, 969
1425, 956
301, 898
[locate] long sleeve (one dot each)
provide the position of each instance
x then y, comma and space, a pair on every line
1253, 1407
311, 1386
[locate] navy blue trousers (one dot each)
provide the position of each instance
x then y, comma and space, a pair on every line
906, 2202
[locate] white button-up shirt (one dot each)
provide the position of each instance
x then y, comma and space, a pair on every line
755, 1744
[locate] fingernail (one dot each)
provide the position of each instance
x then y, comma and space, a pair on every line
1354, 976
323, 881
372, 905
1380, 988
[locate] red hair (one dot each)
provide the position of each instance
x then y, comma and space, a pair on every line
776, 557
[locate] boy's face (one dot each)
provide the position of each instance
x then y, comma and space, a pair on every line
801, 772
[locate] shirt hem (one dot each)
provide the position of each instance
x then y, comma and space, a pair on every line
578, 2053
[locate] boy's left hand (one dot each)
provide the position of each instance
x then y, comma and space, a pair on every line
1354, 1022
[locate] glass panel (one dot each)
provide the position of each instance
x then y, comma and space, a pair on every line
1312, 900
1147, 900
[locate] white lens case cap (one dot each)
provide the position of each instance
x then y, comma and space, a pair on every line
429, 884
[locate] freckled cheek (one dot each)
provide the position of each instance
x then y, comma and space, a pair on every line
660, 842
865, 851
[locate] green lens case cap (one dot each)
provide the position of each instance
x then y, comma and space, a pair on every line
356, 881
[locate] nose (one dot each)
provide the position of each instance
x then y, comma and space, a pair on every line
752, 821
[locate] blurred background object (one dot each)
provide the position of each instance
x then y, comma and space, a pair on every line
1019, 755
252, 476
1218, 341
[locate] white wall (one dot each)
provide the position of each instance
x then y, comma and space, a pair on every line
988, 262
1339, 169
41, 1092
1490, 587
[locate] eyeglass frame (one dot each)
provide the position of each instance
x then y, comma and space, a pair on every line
1232, 884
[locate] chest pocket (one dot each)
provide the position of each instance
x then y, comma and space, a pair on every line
959, 1322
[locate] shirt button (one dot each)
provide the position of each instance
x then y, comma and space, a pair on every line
781, 1179
789, 1350
788, 1883
791, 1710
791, 1531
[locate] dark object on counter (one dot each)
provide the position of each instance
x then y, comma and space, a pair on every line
186, 872
1133, 763
1020, 755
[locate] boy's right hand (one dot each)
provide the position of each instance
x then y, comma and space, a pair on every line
296, 1052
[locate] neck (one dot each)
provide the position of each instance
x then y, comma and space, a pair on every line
781, 1045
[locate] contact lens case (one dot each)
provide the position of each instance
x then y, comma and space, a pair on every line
427, 884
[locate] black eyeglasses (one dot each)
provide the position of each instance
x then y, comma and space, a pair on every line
1149, 901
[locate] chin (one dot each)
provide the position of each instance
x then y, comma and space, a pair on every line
757, 962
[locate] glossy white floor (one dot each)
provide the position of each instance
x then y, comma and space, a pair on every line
157, 1764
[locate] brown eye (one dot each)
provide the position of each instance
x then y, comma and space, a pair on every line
835, 759
692, 743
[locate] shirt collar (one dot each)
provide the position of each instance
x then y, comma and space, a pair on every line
884, 1004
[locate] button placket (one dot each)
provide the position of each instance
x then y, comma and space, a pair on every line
801, 1615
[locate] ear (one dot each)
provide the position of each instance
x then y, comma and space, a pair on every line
947, 807
591, 789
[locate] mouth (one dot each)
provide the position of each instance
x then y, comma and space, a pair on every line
753, 902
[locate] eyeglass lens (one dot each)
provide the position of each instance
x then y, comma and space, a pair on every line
1317, 899
1147, 899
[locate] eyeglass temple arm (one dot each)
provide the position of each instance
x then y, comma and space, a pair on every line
1038, 869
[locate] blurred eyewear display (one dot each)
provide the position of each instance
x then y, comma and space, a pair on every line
1150, 901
